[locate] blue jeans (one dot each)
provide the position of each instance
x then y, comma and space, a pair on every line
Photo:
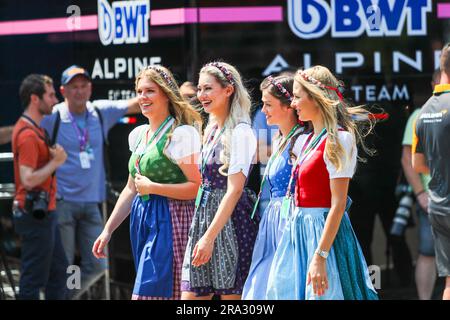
43, 261
80, 223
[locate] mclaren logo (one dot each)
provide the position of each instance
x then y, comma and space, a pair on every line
433, 117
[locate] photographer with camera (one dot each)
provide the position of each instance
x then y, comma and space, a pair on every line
43, 260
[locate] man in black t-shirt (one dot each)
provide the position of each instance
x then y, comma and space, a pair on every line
431, 154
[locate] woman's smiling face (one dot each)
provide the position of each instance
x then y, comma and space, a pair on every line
151, 97
211, 94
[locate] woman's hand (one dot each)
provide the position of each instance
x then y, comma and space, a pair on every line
100, 244
202, 251
317, 274
143, 184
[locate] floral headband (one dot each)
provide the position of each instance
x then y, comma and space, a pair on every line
224, 71
163, 74
338, 90
280, 87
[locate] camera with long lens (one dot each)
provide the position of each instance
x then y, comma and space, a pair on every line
403, 213
36, 203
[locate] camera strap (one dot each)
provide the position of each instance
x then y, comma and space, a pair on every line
44, 138
35, 128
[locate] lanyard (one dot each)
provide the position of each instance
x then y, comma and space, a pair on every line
204, 189
272, 158
213, 142
82, 136
138, 159
307, 147
311, 146
303, 155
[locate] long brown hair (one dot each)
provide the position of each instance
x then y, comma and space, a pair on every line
182, 112
287, 83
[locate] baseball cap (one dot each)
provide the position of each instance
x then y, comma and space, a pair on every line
73, 71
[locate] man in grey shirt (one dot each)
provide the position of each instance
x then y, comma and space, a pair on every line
431, 154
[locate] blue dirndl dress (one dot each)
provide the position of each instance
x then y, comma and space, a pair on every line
287, 278
347, 271
158, 229
271, 228
151, 235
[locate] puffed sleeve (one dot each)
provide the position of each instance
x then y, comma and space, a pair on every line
243, 149
133, 137
349, 159
185, 141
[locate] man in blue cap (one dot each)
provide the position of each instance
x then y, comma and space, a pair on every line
81, 126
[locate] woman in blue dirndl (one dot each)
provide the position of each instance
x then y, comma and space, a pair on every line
319, 256
276, 98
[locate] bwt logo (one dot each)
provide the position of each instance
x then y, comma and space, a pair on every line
311, 19
124, 22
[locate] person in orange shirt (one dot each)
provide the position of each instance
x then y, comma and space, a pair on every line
43, 261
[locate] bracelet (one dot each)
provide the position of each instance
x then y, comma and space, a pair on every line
419, 193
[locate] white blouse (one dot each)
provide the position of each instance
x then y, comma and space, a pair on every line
184, 142
243, 149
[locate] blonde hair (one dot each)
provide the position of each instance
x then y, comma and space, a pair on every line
335, 112
240, 105
182, 112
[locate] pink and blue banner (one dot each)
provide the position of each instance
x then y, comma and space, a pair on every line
158, 18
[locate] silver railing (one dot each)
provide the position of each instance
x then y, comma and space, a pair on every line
7, 192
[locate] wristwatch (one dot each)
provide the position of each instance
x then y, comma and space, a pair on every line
322, 253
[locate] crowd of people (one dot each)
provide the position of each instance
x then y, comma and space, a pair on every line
197, 230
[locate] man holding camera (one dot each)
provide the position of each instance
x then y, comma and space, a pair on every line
43, 260
431, 154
